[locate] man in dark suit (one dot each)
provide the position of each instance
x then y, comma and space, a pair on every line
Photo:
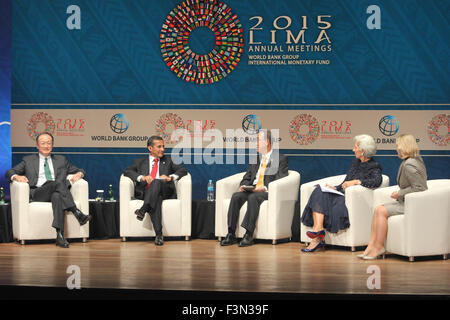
47, 176
154, 177
270, 166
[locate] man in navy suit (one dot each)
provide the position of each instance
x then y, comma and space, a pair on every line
270, 166
47, 176
154, 177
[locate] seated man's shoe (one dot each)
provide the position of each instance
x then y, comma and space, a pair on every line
140, 214
61, 241
229, 240
159, 240
81, 217
246, 241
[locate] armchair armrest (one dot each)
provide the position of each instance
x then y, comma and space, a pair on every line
80, 193
283, 193
20, 199
383, 195
224, 190
427, 213
184, 194
126, 192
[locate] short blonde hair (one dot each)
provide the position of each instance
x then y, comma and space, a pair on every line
407, 146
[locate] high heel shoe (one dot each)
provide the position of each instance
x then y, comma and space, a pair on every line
320, 245
313, 235
362, 255
379, 254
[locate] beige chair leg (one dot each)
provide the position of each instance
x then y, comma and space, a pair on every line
220, 239
353, 249
274, 242
411, 259
84, 240
187, 238
444, 256
22, 242
124, 239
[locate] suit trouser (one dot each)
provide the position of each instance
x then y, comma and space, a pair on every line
254, 200
153, 197
59, 194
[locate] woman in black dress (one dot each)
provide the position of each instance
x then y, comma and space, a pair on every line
327, 210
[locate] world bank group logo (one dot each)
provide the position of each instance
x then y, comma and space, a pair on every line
119, 123
389, 125
251, 124
219, 46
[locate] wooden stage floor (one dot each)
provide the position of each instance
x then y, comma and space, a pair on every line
203, 265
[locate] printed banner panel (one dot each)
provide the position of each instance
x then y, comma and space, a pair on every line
297, 129
231, 51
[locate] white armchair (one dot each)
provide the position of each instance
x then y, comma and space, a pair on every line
275, 214
176, 213
359, 202
424, 228
33, 220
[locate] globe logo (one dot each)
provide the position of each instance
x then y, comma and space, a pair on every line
119, 123
389, 125
251, 124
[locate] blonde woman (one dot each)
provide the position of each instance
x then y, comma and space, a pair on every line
411, 177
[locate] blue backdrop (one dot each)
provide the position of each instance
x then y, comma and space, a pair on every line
116, 58
5, 90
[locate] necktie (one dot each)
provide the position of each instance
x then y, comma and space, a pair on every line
48, 174
154, 168
260, 182
154, 171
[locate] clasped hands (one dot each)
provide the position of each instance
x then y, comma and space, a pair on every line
346, 184
259, 189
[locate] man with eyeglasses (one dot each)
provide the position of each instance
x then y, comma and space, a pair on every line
47, 176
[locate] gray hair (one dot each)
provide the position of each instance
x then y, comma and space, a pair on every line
366, 143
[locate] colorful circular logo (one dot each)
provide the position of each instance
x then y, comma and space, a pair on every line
34, 128
389, 125
202, 68
166, 120
434, 126
304, 120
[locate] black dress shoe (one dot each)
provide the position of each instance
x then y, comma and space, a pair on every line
140, 214
229, 240
159, 240
246, 241
61, 241
81, 217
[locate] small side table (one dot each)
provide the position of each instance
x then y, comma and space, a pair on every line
203, 219
6, 234
105, 221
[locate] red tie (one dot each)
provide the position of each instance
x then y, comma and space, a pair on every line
154, 171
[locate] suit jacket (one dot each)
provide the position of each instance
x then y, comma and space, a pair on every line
275, 170
411, 177
142, 167
29, 167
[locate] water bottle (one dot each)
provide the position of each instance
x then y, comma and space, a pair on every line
110, 193
2, 196
210, 191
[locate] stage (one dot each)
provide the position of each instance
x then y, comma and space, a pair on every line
203, 269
